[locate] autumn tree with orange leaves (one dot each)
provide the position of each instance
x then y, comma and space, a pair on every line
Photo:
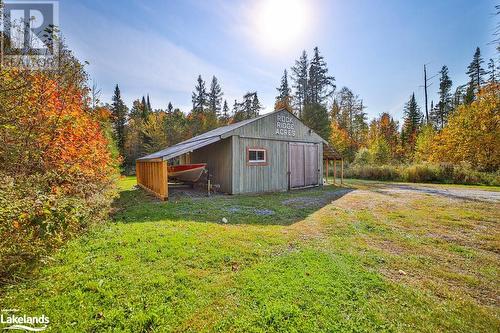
472, 134
56, 162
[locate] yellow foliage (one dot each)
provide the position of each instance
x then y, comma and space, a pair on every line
472, 134
425, 144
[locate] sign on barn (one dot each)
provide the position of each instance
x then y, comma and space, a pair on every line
285, 125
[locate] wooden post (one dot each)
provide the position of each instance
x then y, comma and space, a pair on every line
327, 170
342, 171
164, 180
334, 170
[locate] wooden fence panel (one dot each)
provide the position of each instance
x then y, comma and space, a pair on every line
152, 176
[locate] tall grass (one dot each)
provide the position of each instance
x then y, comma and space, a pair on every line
424, 173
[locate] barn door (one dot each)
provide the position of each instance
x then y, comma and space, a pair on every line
297, 175
311, 164
303, 164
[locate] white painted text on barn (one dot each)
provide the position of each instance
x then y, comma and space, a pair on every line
285, 125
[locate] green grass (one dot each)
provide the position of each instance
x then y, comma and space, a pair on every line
305, 261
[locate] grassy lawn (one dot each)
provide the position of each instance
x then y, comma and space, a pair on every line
350, 258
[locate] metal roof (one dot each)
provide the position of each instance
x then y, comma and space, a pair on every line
216, 135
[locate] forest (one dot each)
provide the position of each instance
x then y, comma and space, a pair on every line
454, 140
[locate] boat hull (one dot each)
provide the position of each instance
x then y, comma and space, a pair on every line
186, 172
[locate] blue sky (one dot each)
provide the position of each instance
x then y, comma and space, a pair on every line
377, 48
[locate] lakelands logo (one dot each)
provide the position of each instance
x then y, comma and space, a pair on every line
23, 322
29, 34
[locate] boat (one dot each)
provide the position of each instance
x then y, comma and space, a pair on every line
186, 172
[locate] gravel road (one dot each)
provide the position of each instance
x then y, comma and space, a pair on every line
452, 192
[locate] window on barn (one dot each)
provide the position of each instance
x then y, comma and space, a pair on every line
256, 156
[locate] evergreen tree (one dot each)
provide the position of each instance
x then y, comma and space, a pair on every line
148, 105
320, 85
199, 96
255, 106
119, 119
412, 121
315, 116
215, 97
360, 125
470, 93
300, 82
492, 73
237, 114
176, 126
458, 97
144, 109
225, 117
444, 105
284, 91
475, 71
249, 108
170, 107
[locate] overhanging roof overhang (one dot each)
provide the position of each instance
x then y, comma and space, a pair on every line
180, 149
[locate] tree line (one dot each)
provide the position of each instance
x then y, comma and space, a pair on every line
340, 117
141, 130
309, 92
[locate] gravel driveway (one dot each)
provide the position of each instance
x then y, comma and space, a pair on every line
454, 193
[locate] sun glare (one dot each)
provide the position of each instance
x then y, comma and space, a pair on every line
280, 24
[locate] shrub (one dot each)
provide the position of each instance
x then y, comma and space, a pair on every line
424, 173
37, 220
363, 157
421, 173
372, 172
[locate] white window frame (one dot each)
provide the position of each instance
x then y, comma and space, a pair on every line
256, 150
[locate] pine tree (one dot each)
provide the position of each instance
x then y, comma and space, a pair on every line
119, 114
249, 108
492, 78
470, 93
284, 91
476, 72
148, 105
315, 116
412, 121
215, 97
320, 85
225, 117
300, 82
144, 108
199, 96
458, 97
255, 106
170, 107
445, 102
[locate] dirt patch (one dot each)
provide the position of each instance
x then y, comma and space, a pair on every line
312, 202
250, 210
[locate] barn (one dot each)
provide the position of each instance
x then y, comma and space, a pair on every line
272, 152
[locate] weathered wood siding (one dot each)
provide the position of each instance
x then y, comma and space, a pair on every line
273, 176
218, 157
152, 176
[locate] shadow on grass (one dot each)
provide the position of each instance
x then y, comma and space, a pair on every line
280, 208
